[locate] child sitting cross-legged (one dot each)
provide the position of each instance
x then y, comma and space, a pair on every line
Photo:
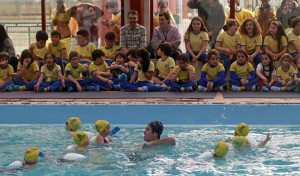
119, 69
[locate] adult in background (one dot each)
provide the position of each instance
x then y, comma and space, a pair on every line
264, 14
132, 35
287, 9
166, 33
6, 45
212, 11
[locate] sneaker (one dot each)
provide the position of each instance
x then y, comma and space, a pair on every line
253, 88
97, 88
16, 88
235, 88
47, 89
275, 89
116, 87
144, 89
123, 78
264, 89
201, 89
189, 89
182, 89
10, 88
70, 89
220, 89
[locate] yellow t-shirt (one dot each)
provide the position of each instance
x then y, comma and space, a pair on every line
242, 71
213, 73
56, 50
100, 68
5, 73
273, 43
293, 38
196, 40
183, 74
241, 15
141, 75
85, 50
62, 20
251, 42
50, 75
286, 75
75, 72
116, 19
163, 66
228, 41
40, 52
29, 71
109, 51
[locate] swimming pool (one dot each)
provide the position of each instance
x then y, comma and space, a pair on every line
196, 127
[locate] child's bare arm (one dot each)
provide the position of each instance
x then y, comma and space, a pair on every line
264, 141
148, 75
133, 77
191, 73
61, 78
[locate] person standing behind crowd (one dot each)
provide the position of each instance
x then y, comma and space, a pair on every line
132, 34
294, 38
240, 13
264, 14
61, 18
196, 40
166, 33
162, 7
212, 11
287, 9
6, 45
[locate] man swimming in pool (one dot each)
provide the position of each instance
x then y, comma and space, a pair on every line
152, 135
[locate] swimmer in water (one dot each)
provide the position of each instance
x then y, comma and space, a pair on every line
152, 135
103, 128
73, 124
221, 150
81, 139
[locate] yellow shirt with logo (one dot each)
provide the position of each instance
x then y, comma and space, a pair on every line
183, 75
109, 51
242, 71
141, 75
56, 50
286, 75
228, 41
241, 15
85, 50
5, 73
293, 38
196, 40
75, 72
163, 66
29, 72
100, 68
40, 52
50, 75
251, 42
273, 43
213, 73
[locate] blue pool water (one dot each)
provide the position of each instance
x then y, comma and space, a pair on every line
281, 155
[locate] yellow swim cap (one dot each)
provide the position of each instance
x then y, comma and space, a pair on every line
31, 155
239, 141
242, 129
80, 137
74, 123
100, 126
221, 149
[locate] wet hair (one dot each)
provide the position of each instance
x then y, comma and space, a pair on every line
25, 54
55, 32
157, 127
133, 12
52, 55
280, 32
256, 27
73, 54
183, 57
271, 65
243, 52
4, 54
144, 55
132, 52
211, 53
230, 23
121, 54
97, 53
3, 36
190, 28
41, 35
166, 48
83, 33
295, 21
165, 14
286, 55
110, 36
161, 2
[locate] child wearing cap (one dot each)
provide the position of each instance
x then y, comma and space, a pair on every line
81, 139
103, 128
73, 124
221, 149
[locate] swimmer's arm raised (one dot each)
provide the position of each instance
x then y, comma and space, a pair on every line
164, 141
264, 141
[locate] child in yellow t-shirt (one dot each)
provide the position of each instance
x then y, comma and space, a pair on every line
109, 49
58, 48
183, 76
119, 69
38, 49
27, 74
6, 73
132, 60
294, 37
